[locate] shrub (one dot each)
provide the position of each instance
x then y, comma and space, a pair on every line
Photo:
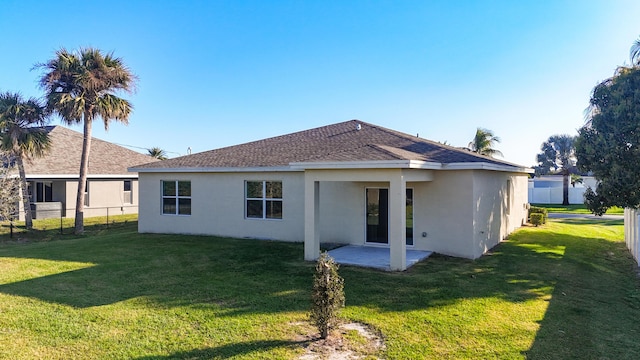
536, 219
327, 296
538, 210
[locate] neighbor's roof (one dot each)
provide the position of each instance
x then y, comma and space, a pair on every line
63, 159
345, 142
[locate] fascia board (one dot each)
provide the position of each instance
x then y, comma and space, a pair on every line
486, 166
75, 176
213, 169
380, 164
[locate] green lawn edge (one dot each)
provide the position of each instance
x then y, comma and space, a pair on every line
576, 209
564, 290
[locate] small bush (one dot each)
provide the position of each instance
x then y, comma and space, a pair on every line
327, 296
536, 219
538, 210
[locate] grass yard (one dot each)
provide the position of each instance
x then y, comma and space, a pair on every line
565, 290
576, 209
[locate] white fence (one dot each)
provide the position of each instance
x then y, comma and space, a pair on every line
553, 195
632, 232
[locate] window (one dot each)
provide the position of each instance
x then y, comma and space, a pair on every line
409, 218
44, 191
263, 199
86, 193
127, 198
176, 197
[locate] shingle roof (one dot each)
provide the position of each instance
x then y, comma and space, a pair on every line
63, 158
339, 142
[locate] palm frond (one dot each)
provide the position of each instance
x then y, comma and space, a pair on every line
483, 143
634, 53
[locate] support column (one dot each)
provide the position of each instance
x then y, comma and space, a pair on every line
311, 218
398, 222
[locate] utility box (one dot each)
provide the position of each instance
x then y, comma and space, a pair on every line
46, 210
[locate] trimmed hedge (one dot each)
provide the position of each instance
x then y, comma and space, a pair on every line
538, 210
536, 219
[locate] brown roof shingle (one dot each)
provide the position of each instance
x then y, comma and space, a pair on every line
63, 158
332, 143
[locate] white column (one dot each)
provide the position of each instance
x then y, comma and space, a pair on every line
636, 235
311, 218
398, 222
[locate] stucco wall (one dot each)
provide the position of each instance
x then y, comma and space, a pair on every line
443, 209
218, 206
103, 194
342, 212
463, 213
500, 207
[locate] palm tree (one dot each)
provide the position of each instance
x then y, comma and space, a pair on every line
558, 156
80, 87
483, 143
635, 53
22, 137
158, 153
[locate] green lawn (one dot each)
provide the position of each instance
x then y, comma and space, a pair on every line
576, 209
565, 290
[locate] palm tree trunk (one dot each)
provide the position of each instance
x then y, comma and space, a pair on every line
565, 187
82, 180
28, 219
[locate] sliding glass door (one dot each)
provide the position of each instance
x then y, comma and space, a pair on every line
377, 210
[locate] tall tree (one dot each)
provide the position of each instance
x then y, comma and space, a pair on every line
609, 142
558, 157
82, 86
22, 137
9, 188
158, 153
483, 143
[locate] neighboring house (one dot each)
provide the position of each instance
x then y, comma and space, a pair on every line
53, 179
547, 189
350, 182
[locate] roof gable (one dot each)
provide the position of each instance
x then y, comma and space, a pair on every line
349, 141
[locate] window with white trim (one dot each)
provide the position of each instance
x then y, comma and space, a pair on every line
127, 193
263, 199
176, 197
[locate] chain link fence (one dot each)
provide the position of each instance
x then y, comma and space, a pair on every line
65, 218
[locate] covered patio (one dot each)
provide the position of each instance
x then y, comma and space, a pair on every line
373, 256
395, 174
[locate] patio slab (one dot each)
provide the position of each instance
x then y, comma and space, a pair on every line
373, 257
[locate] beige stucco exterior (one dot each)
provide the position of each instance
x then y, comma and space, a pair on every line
461, 212
104, 197
218, 205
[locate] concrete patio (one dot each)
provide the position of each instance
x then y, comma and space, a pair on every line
373, 257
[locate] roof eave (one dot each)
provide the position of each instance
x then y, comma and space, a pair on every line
214, 169
487, 166
76, 176
374, 164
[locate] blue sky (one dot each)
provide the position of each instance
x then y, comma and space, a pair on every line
219, 73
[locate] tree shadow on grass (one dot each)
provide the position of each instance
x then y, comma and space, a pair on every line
248, 276
591, 285
228, 351
594, 306
597, 221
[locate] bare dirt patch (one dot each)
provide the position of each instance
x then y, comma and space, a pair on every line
351, 341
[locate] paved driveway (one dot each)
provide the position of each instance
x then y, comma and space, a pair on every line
585, 216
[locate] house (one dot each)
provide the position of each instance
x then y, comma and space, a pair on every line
547, 189
53, 179
350, 182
